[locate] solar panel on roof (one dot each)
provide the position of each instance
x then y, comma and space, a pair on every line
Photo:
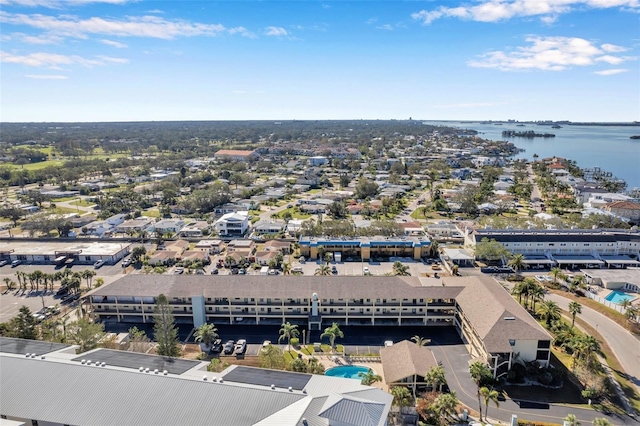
21, 346
135, 360
256, 376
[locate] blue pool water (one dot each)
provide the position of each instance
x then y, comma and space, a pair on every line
347, 371
619, 297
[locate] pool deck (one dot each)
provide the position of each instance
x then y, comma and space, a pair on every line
330, 361
634, 301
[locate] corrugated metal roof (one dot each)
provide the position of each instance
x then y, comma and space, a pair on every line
352, 411
83, 395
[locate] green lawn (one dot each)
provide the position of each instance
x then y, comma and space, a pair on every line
83, 203
151, 213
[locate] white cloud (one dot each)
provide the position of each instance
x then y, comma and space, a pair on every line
500, 10
612, 71
275, 31
47, 76
55, 61
144, 26
34, 39
113, 43
548, 54
242, 31
386, 27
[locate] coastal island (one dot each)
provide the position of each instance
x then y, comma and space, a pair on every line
634, 137
527, 134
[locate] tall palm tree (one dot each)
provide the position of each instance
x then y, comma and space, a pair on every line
480, 374
572, 420
9, 283
286, 268
489, 395
401, 397
435, 376
517, 263
574, 309
519, 290
400, 269
369, 378
332, 333
88, 277
444, 407
537, 295
556, 273
288, 331
206, 334
579, 282
323, 270
549, 311
420, 341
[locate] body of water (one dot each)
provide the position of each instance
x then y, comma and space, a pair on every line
607, 147
347, 371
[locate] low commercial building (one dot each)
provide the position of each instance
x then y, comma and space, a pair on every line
77, 252
366, 247
493, 324
615, 279
405, 363
137, 388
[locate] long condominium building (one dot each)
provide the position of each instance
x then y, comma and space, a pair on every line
488, 319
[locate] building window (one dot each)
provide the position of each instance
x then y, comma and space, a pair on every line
542, 355
544, 344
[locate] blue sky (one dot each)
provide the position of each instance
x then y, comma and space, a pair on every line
127, 60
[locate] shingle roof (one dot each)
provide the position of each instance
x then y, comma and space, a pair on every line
405, 359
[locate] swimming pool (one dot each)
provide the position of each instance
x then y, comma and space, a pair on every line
619, 296
347, 371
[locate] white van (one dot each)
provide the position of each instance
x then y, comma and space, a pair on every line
297, 269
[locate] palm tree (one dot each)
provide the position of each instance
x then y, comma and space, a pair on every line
323, 270
571, 420
537, 295
480, 373
288, 331
332, 333
489, 395
420, 341
206, 334
286, 268
328, 257
549, 311
517, 263
574, 309
631, 313
444, 406
436, 377
88, 276
454, 270
400, 269
401, 397
601, 421
9, 283
579, 282
556, 273
369, 378
519, 290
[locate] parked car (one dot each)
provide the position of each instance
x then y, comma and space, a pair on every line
241, 347
178, 271
3, 262
366, 271
228, 347
15, 263
62, 291
266, 344
126, 263
98, 264
242, 271
216, 345
199, 272
214, 271
334, 270
234, 271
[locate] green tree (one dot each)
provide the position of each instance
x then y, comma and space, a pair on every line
23, 325
517, 263
557, 274
206, 334
489, 395
137, 339
400, 269
332, 333
490, 249
369, 378
323, 270
164, 329
601, 421
420, 341
572, 420
480, 374
631, 313
444, 407
288, 331
436, 377
272, 357
9, 283
85, 333
401, 397
137, 254
574, 309
549, 311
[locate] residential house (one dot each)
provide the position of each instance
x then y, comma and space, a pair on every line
209, 246
235, 155
173, 226
232, 224
195, 229
624, 209
134, 225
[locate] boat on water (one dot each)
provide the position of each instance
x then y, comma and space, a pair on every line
520, 125
634, 137
555, 126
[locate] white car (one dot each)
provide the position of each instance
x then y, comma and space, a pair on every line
366, 271
98, 264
